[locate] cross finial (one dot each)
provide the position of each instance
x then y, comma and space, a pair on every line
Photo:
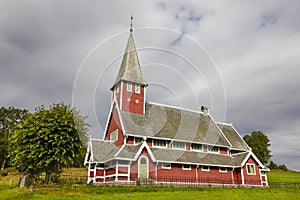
131, 19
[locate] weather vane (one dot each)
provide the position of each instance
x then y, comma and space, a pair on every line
131, 19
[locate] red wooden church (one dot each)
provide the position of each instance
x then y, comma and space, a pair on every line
147, 142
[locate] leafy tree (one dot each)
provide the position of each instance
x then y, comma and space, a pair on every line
259, 142
9, 118
283, 167
273, 165
49, 140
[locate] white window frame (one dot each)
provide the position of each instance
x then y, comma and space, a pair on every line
183, 168
166, 165
178, 143
196, 149
137, 89
159, 145
114, 136
135, 142
129, 87
147, 165
254, 171
221, 169
211, 147
205, 170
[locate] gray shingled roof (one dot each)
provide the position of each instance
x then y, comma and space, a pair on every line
129, 151
130, 69
192, 157
173, 123
102, 149
105, 150
234, 138
239, 158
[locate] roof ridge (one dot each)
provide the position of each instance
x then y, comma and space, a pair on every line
225, 123
175, 107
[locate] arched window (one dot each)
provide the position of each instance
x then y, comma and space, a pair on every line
143, 167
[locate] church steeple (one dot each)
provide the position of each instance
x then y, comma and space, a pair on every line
130, 69
129, 88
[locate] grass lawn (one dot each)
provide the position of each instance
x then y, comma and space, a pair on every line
280, 176
9, 190
140, 192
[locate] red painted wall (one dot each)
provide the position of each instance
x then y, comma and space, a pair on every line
252, 179
215, 176
91, 173
130, 140
110, 171
134, 167
123, 170
149, 142
223, 150
114, 124
188, 146
237, 176
129, 100
99, 172
176, 174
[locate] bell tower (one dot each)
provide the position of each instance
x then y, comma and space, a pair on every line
129, 88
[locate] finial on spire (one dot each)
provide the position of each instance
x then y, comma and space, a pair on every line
131, 19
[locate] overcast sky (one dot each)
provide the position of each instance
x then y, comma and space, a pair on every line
241, 58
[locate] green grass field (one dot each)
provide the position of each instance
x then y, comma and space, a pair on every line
140, 192
280, 176
9, 190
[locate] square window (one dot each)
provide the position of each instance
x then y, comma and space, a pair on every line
129, 87
159, 143
166, 165
138, 140
137, 89
114, 135
223, 169
205, 168
251, 169
213, 149
197, 147
186, 167
179, 145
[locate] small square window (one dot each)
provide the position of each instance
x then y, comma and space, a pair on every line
159, 143
251, 169
213, 149
223, 169
166, 165
114, 135
205, 168
138, 140
186, 167
129, 87
137, 89
197, 147
178, 145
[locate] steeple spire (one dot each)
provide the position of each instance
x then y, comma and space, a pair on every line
131, 20
130, 70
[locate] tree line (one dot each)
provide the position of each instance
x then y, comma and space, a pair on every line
42, 142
